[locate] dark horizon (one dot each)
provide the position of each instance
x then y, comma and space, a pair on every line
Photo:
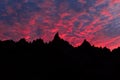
60, 38
57, 60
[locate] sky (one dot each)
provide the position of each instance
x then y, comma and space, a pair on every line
98, 21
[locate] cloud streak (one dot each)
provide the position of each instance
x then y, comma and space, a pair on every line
75, 20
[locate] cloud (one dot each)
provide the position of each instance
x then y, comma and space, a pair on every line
75, 20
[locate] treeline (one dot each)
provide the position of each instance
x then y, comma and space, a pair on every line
57, 60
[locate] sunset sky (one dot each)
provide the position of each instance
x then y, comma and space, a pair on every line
98, 21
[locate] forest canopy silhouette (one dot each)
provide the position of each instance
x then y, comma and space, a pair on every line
57, 60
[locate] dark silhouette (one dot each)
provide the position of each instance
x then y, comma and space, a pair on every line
57, 60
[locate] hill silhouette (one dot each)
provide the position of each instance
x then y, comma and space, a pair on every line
57, 60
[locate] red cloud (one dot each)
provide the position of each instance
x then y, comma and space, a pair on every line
73, 26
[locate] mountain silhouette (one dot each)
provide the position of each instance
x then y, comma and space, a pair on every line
56, 37
57, 60
86, 43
